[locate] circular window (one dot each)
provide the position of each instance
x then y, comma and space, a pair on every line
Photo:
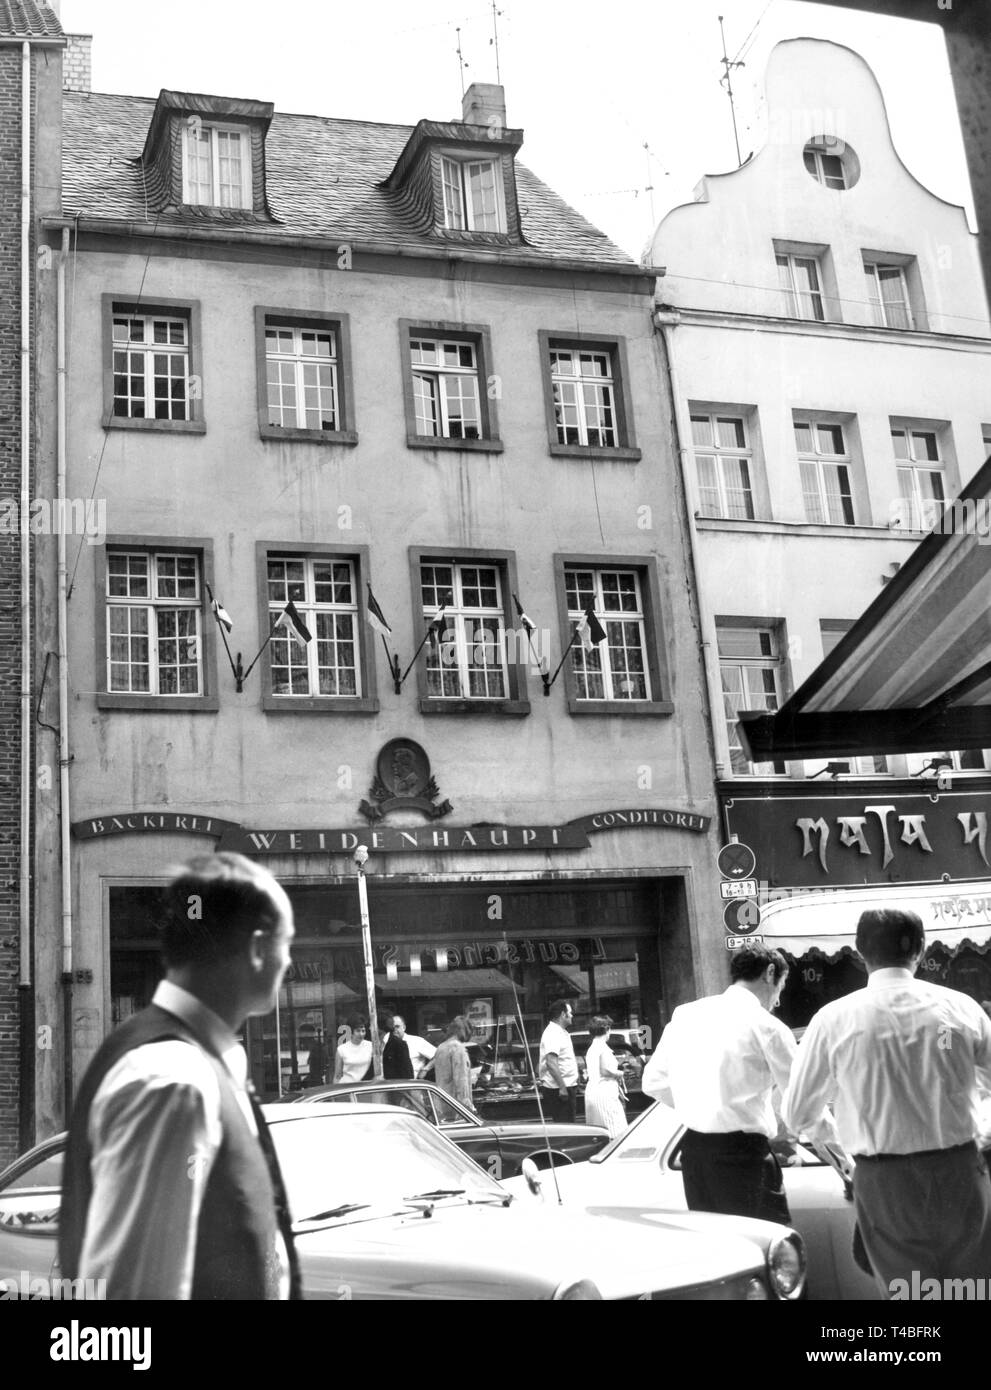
831, 162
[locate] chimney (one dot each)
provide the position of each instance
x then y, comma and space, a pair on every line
484, 103
77, 63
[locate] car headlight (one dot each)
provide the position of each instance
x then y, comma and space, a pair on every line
786, 1265
579, 1290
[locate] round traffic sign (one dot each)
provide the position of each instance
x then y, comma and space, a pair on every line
741, 915
736, 861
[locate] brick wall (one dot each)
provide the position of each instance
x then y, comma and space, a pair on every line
10, 446
77, 63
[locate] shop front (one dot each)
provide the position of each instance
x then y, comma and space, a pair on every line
826, 855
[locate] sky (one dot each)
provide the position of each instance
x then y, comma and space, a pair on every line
620, 102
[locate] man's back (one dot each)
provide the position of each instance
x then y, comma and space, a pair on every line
904, 1056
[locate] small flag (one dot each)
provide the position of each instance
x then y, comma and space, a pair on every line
436, 624
590, 630
527, 625
289, 619
221, 614
374, 614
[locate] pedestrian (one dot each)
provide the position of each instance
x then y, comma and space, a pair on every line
316, 1062
172, 1189
397, 1065
902, 1061
557, 1069
718, 1063
604, 1087
354, 1051
421, 1052
452, 1065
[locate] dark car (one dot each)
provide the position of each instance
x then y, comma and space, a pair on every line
500, 1148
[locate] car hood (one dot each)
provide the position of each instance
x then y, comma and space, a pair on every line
520, 1252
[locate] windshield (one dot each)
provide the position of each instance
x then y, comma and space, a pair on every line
646, 1137
335, 1159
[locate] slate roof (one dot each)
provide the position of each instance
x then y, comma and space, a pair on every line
23, 19
323, 180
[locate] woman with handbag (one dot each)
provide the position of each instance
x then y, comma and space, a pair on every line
605, 1090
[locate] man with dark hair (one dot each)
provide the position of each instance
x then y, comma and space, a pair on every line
397, 1064
172, 1189
718, 1062
902, 1062
557, 1067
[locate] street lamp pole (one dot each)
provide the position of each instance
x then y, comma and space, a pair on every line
360, 859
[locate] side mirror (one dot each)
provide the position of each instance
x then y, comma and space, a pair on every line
532, 1174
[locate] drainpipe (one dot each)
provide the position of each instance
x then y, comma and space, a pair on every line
667, 320
25, 604
65, 843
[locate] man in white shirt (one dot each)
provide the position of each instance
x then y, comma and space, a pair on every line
172, 1189
902, 1062
718, 1062
557, 1068
421, 1052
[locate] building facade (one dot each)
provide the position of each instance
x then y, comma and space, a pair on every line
364, 437
826, 326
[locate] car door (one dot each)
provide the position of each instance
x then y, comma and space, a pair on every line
472, 1135
29, 1206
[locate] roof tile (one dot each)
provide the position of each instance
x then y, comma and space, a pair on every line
23, 19
324, 179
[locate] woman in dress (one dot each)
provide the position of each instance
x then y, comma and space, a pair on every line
354, 1054
604, 1090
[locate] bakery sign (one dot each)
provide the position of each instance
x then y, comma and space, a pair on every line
387, 839
843, 840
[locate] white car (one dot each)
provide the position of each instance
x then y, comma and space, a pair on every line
641, 1169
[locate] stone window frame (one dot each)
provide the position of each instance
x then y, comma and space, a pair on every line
113, 305
654, 625
368, 703
208, 700
615, 345
340, 325
479, 335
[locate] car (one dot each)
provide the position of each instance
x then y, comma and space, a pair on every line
499, 1148
385, 1207
641, 1169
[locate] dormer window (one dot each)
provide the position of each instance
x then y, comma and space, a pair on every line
473, 199
216, 166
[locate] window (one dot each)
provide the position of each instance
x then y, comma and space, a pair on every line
625, 673
216, 169
751, 671
467, 658
831, 632
887, 291
151, 378
986, 441
304, 391
723, 460
832, 162
335, 671
800, 278
153, 650
615, 669
445, 389
448, 367
825, 167
473, 195
921, 476
473, 661
588, 406
825, 468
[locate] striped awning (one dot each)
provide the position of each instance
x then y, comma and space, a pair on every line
914, 673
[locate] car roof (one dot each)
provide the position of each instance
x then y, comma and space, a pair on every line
274, 1112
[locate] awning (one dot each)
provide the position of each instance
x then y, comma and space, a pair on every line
914, 673
435, 983
826, 922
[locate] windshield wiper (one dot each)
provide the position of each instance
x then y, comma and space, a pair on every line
342, 1210
438, 1192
